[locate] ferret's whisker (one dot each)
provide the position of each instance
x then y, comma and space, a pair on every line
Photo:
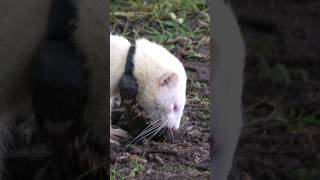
155, 133
148, 130
146, 135
151, 127
140, 114
159, 128
154, 126
161, 131
151, 124
171, 134
151, 131
150, 116
143, 135
136, 117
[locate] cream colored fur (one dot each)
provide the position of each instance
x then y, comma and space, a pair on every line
151, 63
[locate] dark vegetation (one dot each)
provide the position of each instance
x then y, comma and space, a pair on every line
281, 136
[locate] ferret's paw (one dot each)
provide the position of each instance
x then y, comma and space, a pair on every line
117, 135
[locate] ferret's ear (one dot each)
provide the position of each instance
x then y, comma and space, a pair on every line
168, 79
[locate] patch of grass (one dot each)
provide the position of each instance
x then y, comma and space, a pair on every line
169, 30
310, 119
116, 176
159, 8
304, 174
168, 22
137, 166
205, 100
131, 169
299, 118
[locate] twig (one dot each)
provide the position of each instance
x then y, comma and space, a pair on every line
130, 14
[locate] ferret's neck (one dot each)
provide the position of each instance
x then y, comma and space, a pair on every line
119, 47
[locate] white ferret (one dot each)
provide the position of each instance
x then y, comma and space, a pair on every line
160, 76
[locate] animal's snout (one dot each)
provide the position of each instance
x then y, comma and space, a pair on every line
173, 125
174, 129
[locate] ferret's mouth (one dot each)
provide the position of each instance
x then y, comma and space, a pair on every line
142, 125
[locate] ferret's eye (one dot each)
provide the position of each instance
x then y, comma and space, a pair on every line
175, 108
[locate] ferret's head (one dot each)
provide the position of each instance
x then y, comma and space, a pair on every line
161, 80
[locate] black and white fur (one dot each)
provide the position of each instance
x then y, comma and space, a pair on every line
23, 25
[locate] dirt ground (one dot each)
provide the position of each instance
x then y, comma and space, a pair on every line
281, 136
184, 156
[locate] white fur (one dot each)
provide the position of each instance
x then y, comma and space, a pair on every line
152, 62
119, 47
229, 53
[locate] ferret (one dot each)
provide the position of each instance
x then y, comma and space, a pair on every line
160, 77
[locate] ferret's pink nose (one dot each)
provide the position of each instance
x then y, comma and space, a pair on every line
173, 126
